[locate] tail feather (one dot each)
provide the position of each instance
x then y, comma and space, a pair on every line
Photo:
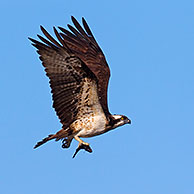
59, 135
44, 140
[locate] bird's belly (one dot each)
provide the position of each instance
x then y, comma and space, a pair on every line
91, 125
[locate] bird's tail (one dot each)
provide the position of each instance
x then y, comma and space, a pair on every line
44, 140
59, 135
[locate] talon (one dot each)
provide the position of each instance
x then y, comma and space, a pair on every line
65, 145
87, 148
84, 146
66, 142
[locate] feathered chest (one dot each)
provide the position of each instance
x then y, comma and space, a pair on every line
90, 125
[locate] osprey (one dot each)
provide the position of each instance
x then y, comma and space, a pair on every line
79, 76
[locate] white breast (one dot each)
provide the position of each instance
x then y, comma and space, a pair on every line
92, 125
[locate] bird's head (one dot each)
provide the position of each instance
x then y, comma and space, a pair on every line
119, 120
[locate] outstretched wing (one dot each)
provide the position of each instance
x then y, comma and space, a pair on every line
68, 61
67, 75
83, 44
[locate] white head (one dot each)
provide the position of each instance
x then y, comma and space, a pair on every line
119, 120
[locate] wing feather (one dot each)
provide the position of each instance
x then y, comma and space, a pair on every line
83, 44
66, 73
68, 62
49, 37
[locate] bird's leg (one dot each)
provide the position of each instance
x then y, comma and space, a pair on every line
82, 145
81, 141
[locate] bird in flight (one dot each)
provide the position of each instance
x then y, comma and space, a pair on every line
79, 76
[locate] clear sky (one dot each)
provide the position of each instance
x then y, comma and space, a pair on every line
149, 47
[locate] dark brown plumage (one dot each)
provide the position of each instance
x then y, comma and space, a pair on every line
77, 46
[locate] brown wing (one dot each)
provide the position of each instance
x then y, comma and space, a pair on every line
82, 43
67, 75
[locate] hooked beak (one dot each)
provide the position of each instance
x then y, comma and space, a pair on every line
129, 121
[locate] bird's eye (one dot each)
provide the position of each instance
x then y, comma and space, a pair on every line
122, 118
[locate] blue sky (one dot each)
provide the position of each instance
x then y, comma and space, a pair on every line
149, 47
